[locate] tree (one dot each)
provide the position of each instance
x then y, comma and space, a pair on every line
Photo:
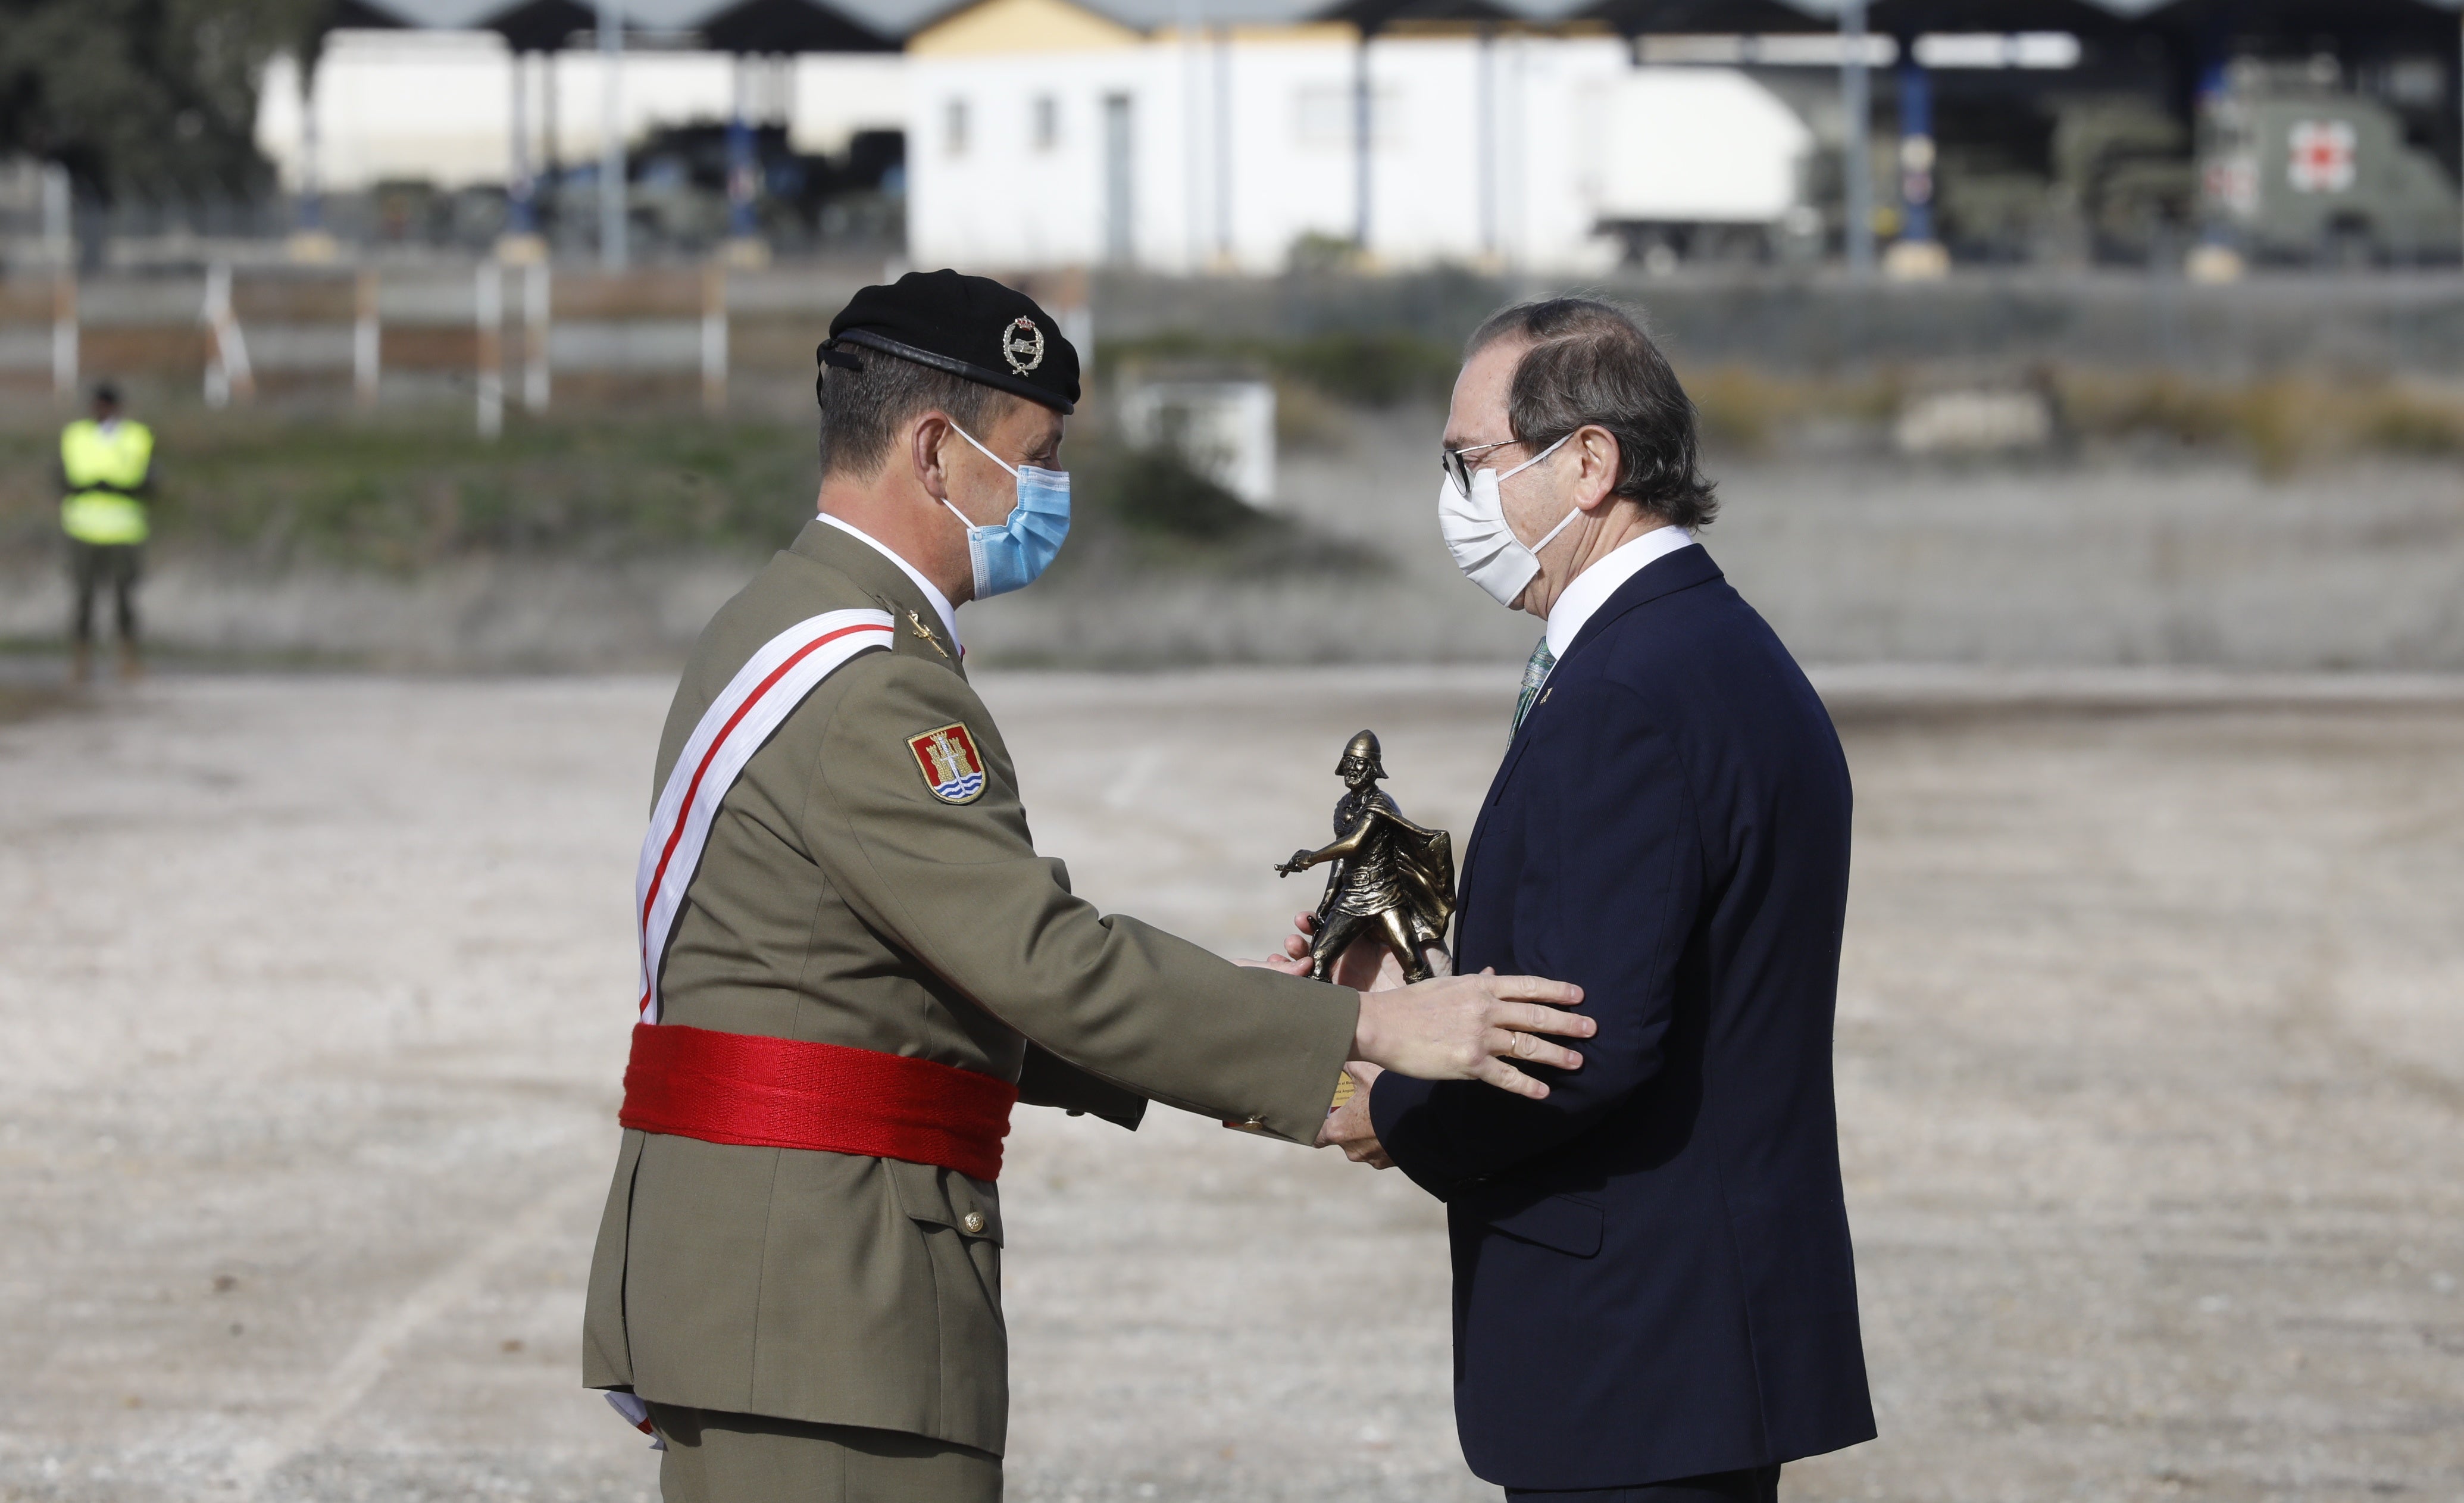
146, 99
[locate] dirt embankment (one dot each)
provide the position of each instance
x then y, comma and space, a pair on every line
592, 546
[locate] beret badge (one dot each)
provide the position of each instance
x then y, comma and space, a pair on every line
1023, 345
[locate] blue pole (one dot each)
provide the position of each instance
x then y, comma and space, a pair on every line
2213, 86
743, 171
1916, 147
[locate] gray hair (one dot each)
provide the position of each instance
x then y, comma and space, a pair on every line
863, 407
1590, 364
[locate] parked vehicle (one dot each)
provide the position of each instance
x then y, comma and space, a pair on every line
2293, 169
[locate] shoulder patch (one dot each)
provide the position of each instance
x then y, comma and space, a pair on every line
952, 768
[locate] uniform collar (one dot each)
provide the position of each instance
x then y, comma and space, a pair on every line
932, 595
1588, 591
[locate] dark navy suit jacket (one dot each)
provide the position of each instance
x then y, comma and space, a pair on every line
1652, 1271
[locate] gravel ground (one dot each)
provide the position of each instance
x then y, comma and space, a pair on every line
2150, 1053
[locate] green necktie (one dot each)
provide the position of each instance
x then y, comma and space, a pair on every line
1535, 673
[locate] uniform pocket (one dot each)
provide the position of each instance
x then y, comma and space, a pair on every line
959, 1221
939, 1197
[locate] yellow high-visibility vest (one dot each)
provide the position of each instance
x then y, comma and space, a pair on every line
104, 466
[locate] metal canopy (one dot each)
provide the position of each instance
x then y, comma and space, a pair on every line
528, 26
736, 26
1707, 18
2300, 25
426, 15
1906, 18
1375, 15
358, 16
541, 25
790, 26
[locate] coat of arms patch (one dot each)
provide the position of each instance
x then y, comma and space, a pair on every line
951, 766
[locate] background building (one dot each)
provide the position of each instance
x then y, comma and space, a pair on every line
1044, 133
1246, 135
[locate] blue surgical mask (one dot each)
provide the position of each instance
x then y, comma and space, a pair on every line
1010, 556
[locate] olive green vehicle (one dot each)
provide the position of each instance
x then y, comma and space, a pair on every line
2297, 171
2287, 165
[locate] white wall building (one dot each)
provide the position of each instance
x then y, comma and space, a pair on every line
439, 105
1054, 133
1042, 133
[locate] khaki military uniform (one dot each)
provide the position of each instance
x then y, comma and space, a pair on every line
839, 900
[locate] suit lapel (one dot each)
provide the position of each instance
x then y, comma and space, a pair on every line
1683, 570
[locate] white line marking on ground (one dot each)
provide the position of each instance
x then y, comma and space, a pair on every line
363, 1365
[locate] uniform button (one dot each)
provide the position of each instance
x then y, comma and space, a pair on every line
974, 1221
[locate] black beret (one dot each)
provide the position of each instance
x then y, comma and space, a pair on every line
970, 326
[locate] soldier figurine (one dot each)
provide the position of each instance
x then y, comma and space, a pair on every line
1387, 871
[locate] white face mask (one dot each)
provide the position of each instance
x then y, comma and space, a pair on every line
1484, 548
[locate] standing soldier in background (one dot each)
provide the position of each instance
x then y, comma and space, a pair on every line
106, 473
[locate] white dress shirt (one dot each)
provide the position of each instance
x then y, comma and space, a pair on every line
1588, 591
948, 613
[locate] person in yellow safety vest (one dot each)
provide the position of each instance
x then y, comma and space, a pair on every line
106, 474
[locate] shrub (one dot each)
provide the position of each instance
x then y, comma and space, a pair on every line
1156, 491
1374, 368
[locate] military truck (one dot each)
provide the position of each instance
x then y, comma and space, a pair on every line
2292, 169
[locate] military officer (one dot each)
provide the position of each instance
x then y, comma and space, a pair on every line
854, 962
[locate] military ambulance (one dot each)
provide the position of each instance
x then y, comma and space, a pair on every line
2294, 169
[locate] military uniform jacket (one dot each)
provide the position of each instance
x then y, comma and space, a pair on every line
839, 900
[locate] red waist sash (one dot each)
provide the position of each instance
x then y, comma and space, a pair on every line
771, 1093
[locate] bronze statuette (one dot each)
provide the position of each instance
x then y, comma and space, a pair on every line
1389, 877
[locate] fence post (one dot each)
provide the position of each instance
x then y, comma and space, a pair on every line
64, 330
228, 374
368, 335
714, 339
59, 245
489, 313
534, 333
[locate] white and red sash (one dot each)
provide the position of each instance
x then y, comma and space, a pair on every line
779, 677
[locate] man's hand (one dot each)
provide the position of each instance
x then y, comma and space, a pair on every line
1466, 1028
1349, 1127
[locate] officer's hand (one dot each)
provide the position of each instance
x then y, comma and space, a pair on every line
1295, 960
1349, 1127
1296, 944
1365, 965
1467, 1027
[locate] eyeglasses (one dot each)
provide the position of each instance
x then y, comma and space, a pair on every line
1457, 462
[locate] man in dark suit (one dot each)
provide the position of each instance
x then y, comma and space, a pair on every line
1654, 1292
